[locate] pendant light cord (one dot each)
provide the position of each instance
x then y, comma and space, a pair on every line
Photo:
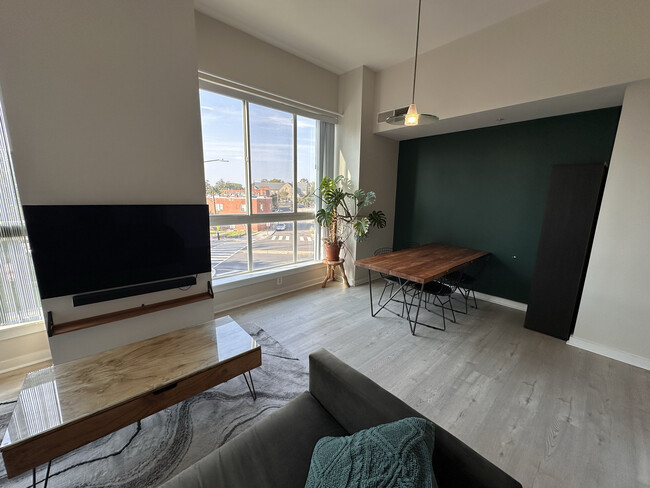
417, 40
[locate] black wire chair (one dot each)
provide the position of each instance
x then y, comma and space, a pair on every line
392, 281
465, 280
433, 294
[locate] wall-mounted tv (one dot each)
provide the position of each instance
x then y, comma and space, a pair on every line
84, 248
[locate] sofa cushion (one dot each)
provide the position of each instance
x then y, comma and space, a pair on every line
393, 455
274, 452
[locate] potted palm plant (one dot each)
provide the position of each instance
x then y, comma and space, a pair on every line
341, 214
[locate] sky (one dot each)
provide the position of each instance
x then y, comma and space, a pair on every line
271, 141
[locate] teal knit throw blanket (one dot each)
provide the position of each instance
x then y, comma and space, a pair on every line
397, 455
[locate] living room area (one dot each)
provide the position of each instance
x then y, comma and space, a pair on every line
131, 104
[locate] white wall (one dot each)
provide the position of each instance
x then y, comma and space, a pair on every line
101, 101
348, 146
233, 295
377, 172
232, 54
368, 160
228, 53
614, 311
560, 47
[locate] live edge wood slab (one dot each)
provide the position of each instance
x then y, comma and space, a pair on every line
66, 406
421, 264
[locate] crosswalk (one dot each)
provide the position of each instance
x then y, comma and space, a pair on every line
219, 255
224, 251
288, 238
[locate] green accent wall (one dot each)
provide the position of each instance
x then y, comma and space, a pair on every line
487, 188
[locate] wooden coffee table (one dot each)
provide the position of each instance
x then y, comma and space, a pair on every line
66, 406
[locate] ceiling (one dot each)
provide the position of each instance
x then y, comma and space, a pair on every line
340, 35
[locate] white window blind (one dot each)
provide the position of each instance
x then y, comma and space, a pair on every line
19, 299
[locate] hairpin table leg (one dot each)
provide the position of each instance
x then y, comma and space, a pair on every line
251, 386
47, 475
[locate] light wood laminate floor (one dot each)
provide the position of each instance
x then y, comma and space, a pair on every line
549, 414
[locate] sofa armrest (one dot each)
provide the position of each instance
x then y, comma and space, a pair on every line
357, 403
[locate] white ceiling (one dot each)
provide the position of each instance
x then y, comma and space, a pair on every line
340, 35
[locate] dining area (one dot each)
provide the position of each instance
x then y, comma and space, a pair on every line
425, 280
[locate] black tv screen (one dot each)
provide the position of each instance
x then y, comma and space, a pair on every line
83, 248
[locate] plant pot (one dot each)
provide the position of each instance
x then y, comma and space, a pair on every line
332, 251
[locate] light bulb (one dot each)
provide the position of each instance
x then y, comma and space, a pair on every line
412, 116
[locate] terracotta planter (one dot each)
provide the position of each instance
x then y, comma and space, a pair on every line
332, 251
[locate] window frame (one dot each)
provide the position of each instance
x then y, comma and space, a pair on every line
22, 313
249, 218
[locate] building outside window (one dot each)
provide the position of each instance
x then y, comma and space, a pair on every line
261, 165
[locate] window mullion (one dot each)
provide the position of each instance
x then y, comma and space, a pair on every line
249, 183
295, 186
320, 172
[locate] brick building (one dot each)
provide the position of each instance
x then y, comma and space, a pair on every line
235, 203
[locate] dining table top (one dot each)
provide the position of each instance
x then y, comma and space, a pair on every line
422, 264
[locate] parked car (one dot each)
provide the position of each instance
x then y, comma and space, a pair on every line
280, 226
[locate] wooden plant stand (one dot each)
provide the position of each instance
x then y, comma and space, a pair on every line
331, 268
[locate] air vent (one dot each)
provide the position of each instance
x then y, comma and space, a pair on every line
384, 115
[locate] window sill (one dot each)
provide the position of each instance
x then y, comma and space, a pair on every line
237, 281
19, 330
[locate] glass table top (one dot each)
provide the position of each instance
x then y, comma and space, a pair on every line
60, 394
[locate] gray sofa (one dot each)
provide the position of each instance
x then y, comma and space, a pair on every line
276, 452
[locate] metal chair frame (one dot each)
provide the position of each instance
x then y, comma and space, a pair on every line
390, 281
464, 282
432, 298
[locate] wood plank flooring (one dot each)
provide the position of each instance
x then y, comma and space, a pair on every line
549, 414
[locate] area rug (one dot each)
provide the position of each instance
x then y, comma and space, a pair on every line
151, 451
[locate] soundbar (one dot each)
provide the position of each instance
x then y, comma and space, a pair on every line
130, 291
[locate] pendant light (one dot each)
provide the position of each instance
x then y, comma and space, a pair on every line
412, 117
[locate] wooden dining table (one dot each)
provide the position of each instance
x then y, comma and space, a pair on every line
417, 266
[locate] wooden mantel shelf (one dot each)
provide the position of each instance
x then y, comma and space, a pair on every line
56, 329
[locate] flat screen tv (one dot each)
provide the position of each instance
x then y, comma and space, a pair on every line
84, 248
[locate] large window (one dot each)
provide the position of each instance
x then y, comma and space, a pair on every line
19, 300
261, 165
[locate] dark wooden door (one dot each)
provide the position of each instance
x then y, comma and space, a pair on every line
565, 242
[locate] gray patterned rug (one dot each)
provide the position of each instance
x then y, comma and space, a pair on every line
149, 452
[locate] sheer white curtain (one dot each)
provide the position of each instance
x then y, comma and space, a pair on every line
19, 300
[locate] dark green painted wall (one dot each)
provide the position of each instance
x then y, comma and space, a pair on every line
487, 188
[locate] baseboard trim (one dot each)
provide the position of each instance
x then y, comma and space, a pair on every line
610, 352
502, 301
25, 360
247, 300
479, 296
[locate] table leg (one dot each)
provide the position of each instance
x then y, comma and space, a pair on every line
47, 475
393, 294
327, 276
413, 323
251, 387
372, 314
345, 278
